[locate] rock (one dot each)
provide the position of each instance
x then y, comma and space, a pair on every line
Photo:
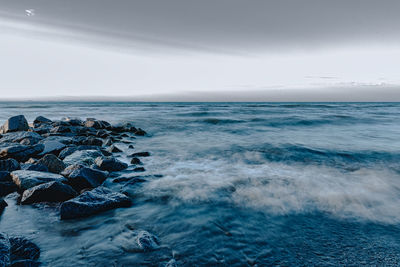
140, 154
102, 134
26, 263
9, 165
53, 147
23, 249
41, 119
171, 263
5, 250
138, 241
48, 192
107, 142
21, 152
131, 180
85, 157
113, 149
7, 188
125, 127
5, 176
136, 161
91, 141
17, 137
27, 179
93, 123
140, 132
86, 178
139, 169
131, 147
67, 171
92, 202
73, 121
34, 167
110, 164
15, 124
61, 129
3, 205
54, 164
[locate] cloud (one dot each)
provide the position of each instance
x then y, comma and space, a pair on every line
217, 25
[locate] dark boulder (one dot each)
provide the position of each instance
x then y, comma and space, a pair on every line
84, 177
54, 164
131, 147
17, 137
5, 250
140, 132
9, 165
7, 186
140, 154
110, 164
41, 119
3, 205
91, 141
114, 149
73, 121
23, 249
139, 169
21, 152
27, 179
92, 202
34, 167
53, 147
136, 161
107, 142
5, 176
85, 157
93, 123
48, 192
15, 124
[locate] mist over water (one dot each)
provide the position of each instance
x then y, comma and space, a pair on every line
242, 184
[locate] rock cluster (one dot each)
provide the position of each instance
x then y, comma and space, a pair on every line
65, 161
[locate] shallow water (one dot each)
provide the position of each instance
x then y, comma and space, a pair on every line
243, 184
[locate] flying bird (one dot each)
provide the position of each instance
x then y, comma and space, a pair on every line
30, 12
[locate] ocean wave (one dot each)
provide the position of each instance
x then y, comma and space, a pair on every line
221, 121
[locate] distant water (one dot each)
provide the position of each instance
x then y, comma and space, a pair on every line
243, 184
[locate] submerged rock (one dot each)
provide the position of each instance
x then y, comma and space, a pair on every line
48, 192
86, 157
27, 179
9, 165
110, 164
5, 250
92, 202
20, 152
14, 124
140, 154
54, 164
23, 249
139, 169
138, 241
83, 177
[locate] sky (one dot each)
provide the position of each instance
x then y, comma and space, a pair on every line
203, 50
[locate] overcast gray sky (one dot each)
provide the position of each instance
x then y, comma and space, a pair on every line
248, 50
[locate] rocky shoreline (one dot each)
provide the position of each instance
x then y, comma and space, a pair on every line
66, 162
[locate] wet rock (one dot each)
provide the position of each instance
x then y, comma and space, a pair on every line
102, 134
69, 150
92, 202
139, 169
140, 132
114, 149
131, 180
15, 124
136, 161
91, 141
27, 179
41, 119
23, 249
9, 165
5, 176
53, 147
73, 121
26, 263
140, 154
138, 241
131, 146
171, 263
34, 167
61, 129
85, 157
5, 250
93, 123
110, 164
54, 164
48, 192
107, 142
84, 177
21, 152
3, 205
7, 188
67, 171
17, 137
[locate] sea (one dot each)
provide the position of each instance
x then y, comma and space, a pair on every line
236, 184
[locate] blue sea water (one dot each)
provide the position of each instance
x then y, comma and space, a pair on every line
243, 184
